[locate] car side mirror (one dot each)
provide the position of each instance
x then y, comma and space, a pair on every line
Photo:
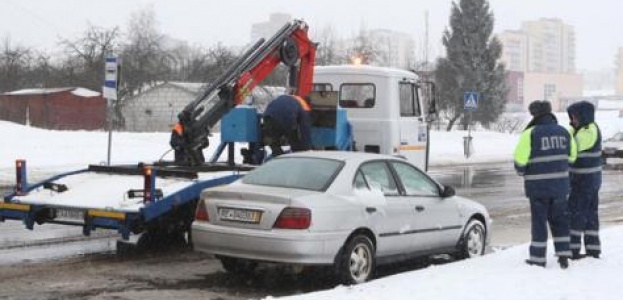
448, 191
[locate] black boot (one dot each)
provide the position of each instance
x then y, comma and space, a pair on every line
563, 261
578, 256
534, 263
593, 255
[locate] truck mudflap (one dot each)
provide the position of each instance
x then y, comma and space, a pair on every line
156, 208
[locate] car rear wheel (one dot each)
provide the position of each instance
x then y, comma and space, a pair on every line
474, 240
237, 266
357, 262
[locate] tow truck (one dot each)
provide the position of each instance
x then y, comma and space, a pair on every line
354, 107
160, 197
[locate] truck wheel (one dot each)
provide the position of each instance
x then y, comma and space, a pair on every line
357, 262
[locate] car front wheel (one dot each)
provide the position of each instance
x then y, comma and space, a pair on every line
356, 263
474, 240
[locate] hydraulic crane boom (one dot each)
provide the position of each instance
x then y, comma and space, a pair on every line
290, 46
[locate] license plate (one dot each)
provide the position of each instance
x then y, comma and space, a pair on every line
69, 215
240, 215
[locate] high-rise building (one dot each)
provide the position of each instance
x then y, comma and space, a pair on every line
551, 46
544, 51
270, 27
619, 72
396, 49
515, 51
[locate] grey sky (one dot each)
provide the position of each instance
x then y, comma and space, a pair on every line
39, 23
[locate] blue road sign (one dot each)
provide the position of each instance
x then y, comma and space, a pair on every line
111, 75
470, 100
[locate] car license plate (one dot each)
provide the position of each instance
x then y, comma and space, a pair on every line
69, 215
239, 215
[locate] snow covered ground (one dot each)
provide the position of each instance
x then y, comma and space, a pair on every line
52, 151
500, 275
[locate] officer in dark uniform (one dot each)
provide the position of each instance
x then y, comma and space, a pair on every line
542, 157
287, 120
178, 143
585, 180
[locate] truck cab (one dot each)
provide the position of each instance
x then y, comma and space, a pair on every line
384, 107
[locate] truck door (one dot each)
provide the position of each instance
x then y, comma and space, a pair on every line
413, 133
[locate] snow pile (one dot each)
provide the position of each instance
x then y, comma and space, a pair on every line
500, 275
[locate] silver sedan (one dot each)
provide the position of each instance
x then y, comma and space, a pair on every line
349, 210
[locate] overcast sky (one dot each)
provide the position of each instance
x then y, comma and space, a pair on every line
40, 23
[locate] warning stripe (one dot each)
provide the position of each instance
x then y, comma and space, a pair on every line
412, 147
13, 206
106, 214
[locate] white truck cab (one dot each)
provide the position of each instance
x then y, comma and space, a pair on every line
384, 107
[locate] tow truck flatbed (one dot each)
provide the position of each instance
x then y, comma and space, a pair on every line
126, 198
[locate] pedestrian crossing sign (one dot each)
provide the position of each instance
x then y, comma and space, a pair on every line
471, 100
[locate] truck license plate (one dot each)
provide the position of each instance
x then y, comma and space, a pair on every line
69, 215
239, 215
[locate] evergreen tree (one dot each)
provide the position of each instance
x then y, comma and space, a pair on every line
471, 65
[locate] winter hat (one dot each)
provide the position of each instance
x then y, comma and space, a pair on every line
539, 107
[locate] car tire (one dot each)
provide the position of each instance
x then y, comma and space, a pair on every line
357, 262
473, 241
237, 266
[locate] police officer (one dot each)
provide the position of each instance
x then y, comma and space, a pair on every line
585, 180
287, 120
542, 157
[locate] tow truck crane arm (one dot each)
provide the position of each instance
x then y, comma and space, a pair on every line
290, 46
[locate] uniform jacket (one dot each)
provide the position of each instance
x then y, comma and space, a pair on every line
291, 113
586, 170
542, 157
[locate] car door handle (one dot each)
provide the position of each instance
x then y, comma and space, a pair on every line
370, 209
419, 208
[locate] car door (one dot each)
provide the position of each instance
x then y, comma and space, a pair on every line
437, 224
391, 218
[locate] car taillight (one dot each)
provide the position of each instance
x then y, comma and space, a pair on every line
293, 218
201, 213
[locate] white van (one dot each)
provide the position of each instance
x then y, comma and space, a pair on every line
384, 107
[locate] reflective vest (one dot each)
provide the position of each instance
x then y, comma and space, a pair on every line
587, 168
542, 156
303, 103
178, 129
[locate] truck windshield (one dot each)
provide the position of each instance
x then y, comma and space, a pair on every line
306, 173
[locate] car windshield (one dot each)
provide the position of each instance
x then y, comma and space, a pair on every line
296, 172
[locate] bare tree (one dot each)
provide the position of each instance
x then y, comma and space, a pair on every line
145, 63
327, 52
362, 49
15, 62
84, 61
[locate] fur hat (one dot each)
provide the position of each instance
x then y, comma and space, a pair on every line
540, 107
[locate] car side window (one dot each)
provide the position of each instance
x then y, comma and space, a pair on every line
360, 181
415, 182
377, 174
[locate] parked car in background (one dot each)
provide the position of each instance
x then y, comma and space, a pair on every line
614, 142
348, 210
612, 149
